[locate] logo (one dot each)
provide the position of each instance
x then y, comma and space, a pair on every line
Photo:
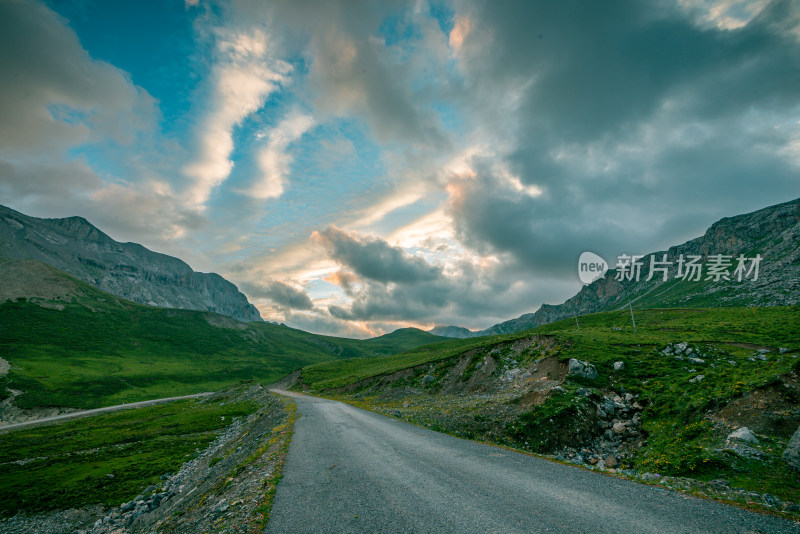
591, 267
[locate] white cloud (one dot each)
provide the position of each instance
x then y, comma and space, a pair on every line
54, 95
244, 76
724, 14
274, 161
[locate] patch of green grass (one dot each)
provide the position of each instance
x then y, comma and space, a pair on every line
100, 350
106, 458
341, 373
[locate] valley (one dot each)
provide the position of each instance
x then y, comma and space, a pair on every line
701, 397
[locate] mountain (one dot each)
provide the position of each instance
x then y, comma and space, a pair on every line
451, 331
404, 339
127, 270
69, 344
773, 233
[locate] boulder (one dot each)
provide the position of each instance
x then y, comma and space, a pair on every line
427, 379
511, 375
743, 434
792, 453
582, 369
619, 366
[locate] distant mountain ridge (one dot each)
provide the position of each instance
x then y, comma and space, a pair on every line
772, 232
127, 270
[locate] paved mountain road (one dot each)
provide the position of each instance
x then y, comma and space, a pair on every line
350, 470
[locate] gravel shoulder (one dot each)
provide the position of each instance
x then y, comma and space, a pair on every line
349, 470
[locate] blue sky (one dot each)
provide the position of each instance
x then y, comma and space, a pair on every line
355, 167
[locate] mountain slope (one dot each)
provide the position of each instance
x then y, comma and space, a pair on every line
128, 270
451, 331
772, 232
71, 345
403, 339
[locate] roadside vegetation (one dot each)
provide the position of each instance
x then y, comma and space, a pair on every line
105, 458
743, 370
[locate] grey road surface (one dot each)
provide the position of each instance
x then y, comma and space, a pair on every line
350, 470
96, 411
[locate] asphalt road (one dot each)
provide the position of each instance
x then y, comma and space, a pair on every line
350, 470
96, 411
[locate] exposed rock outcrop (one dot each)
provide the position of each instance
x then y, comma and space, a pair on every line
792, 453
127, 270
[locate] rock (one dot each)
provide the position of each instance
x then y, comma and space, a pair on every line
610, 461
478, 365
586, 392
582, 369
608, 406
689, 351
783, 350
427, 379
792, 453
743, 434
679, 357
619, 366
513, 363
620, 428
697, 360
698, 378
510, 375
680, 347
221, 507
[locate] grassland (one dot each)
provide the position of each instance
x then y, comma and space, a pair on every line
82, 348
106, 458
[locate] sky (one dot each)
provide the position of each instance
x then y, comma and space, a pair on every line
356, 167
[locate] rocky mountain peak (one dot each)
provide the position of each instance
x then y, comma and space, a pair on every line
127, 270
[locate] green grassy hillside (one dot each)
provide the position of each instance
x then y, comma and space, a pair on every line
79, 347
744, 371
602, 338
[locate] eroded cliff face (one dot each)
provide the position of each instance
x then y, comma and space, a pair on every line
128, 270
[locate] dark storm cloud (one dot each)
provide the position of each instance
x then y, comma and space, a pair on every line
374, 258
632, 120
388, 284
280, 293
